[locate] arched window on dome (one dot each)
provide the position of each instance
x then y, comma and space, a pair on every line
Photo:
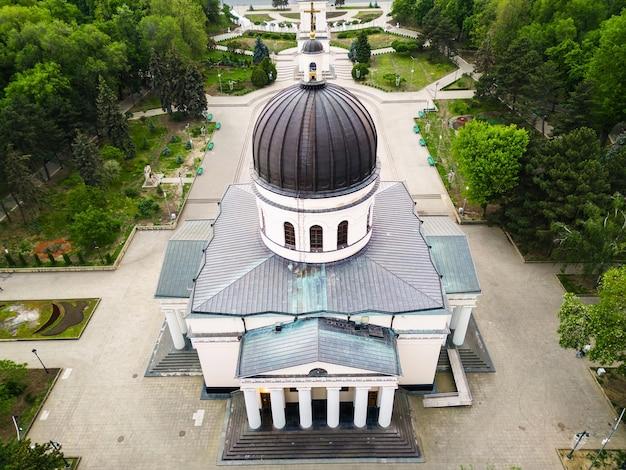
317, 238
342, 234
312, 67
290, 236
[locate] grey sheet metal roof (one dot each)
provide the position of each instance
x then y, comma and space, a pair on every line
183, 256
393, 274
440, 225
263, 350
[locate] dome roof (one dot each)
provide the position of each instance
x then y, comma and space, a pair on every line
314, 140
312, 46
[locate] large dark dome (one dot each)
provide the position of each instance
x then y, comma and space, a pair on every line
314, 139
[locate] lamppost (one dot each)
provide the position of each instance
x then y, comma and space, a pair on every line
606, 440
219, 77
42, 364
579, 439
56, 446
97, 248
18, 429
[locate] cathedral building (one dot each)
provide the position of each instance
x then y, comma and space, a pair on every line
317, 287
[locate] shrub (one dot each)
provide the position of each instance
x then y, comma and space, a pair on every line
144, 144
166, 151
259, 77
12, 383
108, 152
270, 69
131, 193
81, 258
108, 258
174, 139
360, 71
147, 207
179, 159
188, 145
110, 172
23, 261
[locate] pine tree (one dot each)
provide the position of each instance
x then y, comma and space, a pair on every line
86, 159
111, 123
193, 99
22, 185
260, 51
362, 49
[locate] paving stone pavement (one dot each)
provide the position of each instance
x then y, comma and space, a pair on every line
113, 417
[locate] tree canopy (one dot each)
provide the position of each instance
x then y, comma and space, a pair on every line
601, 325
489, 159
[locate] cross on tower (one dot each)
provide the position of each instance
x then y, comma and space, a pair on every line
312, 11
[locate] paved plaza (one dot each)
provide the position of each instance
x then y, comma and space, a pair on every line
107, 412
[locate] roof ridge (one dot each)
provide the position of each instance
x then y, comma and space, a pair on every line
271, 255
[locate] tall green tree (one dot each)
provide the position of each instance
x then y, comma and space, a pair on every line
260, 51
558, 178
12, 384
603, 325
27, 455
192, 99
599, 242
94, 227
609, 78
489, 159
615, 163
361, 49
111, 123
86, 159
440, 31
22, 185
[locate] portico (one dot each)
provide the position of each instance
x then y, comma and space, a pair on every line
363, 394
330, 362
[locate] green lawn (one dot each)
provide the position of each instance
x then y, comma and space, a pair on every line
27, 403
376, 40
425, 70
149, 101
290, 15
369, 15
464, 83
45, 319
258, 17
275, 43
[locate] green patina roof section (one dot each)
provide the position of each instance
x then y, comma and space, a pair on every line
333, 341
307, 291
453, 260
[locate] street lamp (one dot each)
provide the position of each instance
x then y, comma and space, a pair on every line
56, 446
97, 248
219, 77
42, 364
18, 429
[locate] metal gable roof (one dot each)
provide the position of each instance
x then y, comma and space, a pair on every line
183, 256
453, 259
265, 350
393, 274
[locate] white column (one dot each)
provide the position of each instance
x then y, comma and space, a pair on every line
379, 395
360, 406
332, 406
461, 326
304, 404
456, 311
180, 314
252, 408
386, 406
277, 397
172, 323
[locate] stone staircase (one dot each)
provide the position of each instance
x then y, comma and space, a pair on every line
471, 361
343, 68
183, 362
463, 395
286, 70
320, 442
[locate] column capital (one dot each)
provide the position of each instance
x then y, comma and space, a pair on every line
362, 387
304, 389
333, 388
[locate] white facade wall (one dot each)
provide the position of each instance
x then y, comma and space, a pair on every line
218, 360
322, 64
418, 359
334, 210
